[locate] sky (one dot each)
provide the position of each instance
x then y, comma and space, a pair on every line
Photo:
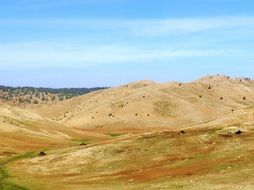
87, 43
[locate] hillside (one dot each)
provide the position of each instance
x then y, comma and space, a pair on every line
138, 136
148, 104
24, 131
206, 156
24, 96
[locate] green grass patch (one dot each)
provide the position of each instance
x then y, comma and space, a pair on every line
10, 187
4, 184
114, 134
79, 141
19, 157
3, 174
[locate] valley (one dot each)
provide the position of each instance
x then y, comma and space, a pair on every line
141, 135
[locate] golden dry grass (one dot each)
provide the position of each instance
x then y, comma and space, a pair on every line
147, 104
133, 139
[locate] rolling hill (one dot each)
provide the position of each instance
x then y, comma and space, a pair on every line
141, 135
206, 156
148, 104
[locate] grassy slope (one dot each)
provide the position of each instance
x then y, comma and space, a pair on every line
24, 134
151, 105
200, 159
139, 157
206, 157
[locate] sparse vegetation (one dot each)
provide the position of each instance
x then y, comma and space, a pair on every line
31, 95
42, 154
173, 141
114, 134
164, 108
83, 144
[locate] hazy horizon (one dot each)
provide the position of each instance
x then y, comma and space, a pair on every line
128, 82
88, 43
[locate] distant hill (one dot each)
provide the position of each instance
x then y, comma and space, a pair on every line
32, 95
149, 104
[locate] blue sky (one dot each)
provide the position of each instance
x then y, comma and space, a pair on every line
85, 43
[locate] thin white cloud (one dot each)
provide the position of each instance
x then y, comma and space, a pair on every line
147, 27
189, 25
73, 55
50, 54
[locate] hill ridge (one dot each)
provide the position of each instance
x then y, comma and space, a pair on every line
154, 104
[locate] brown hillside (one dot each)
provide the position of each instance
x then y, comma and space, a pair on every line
141, 135
148, 104
23, 131
207, 156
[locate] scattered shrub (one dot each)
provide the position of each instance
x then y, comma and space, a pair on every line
42, 154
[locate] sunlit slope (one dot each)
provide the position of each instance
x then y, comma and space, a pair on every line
148, 104
22, 131
141, 145
207, 156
